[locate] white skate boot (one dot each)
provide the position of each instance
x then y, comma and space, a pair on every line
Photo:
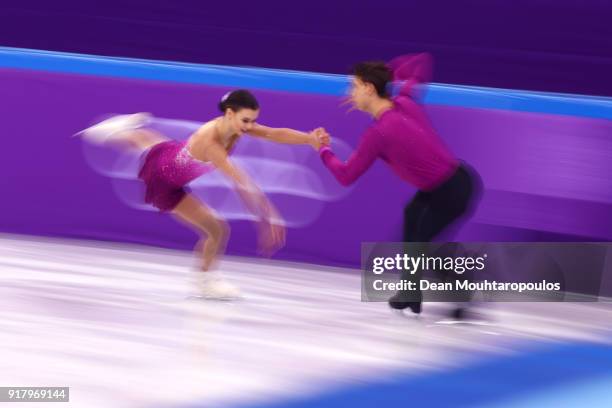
112, 128
211, 285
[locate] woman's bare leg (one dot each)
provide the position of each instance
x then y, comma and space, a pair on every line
213, 231
142, 139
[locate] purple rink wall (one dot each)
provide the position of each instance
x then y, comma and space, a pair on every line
546, 175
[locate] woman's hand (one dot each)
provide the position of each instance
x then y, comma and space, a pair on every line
271, 233
320, 138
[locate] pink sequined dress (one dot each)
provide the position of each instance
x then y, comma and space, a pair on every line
166, 170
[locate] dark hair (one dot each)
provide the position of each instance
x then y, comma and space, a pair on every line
238, 99
376, 73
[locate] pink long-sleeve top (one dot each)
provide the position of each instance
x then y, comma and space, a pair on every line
402, 136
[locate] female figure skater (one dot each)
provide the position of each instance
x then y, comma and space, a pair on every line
169, 165
402, 136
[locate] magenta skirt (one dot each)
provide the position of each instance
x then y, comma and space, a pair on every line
166, 169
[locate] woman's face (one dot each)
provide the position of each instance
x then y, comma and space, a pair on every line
243, 120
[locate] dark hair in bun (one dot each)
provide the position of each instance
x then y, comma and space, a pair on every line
237, 100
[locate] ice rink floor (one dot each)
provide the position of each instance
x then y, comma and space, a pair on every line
119, 325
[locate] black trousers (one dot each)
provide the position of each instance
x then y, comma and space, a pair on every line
430, 213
